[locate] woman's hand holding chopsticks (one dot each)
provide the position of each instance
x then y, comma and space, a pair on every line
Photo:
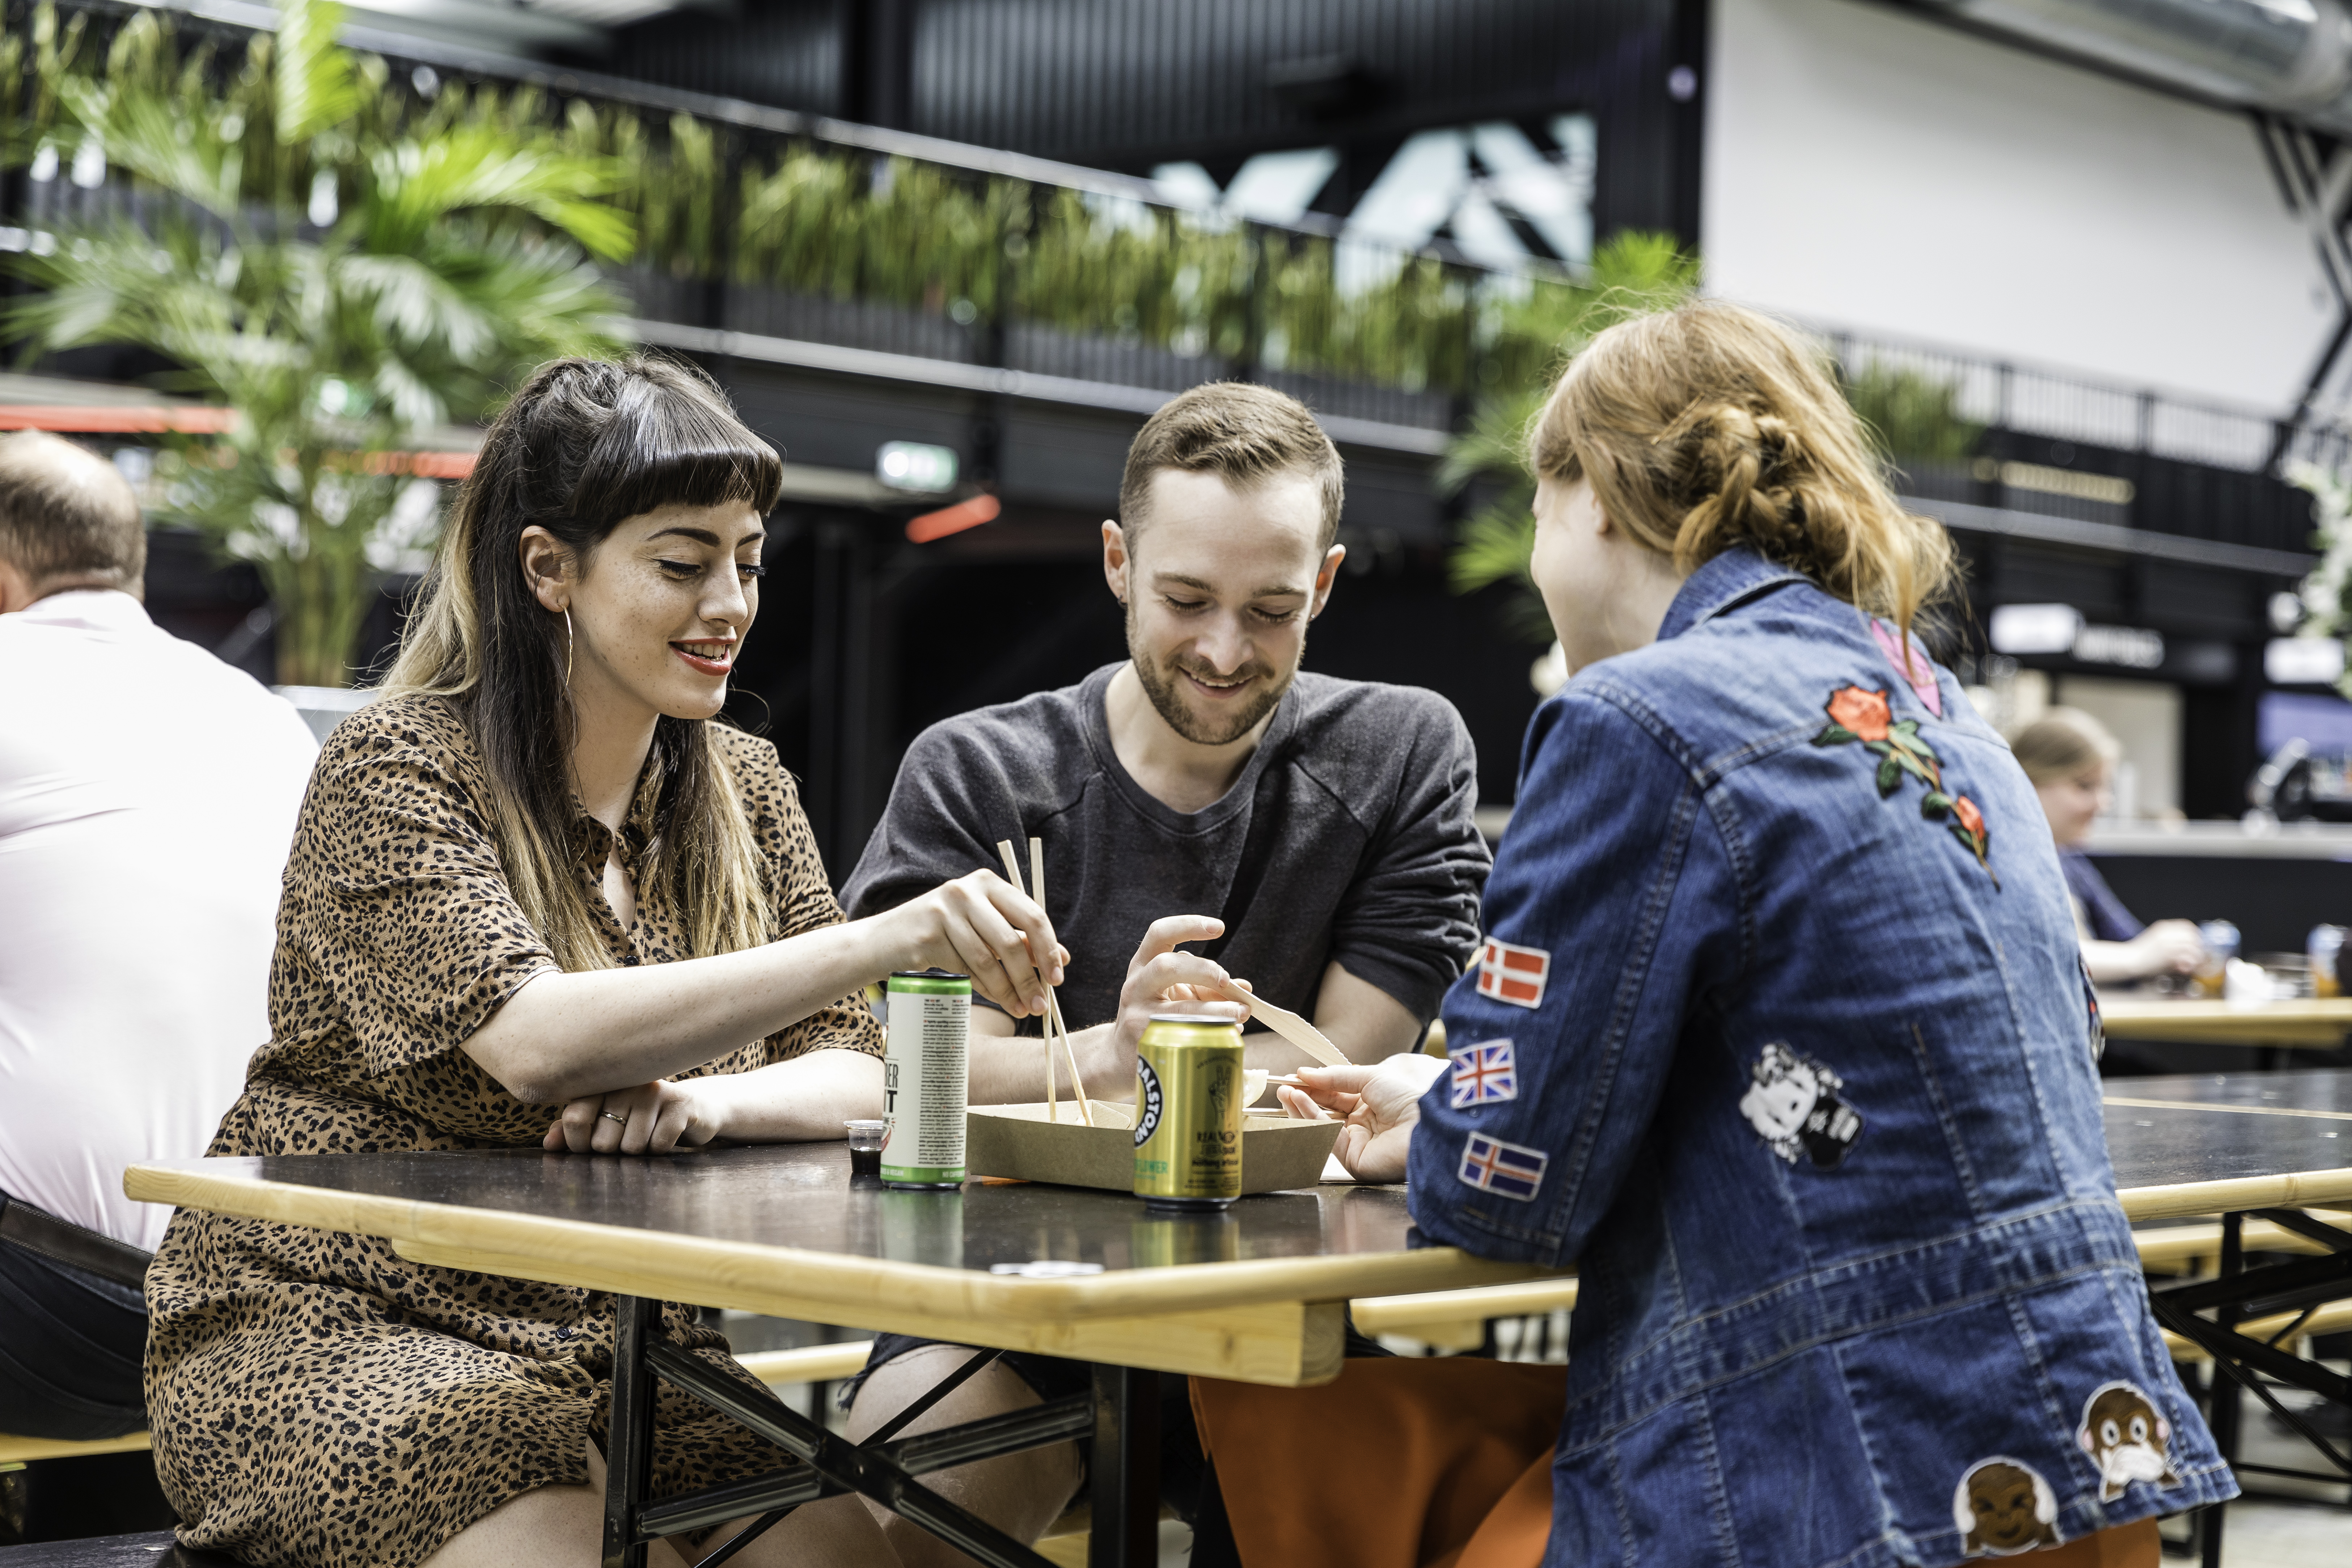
983, 926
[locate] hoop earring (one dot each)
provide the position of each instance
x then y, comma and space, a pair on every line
567, 647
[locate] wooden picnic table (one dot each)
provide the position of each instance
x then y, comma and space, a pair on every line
2249, 1147
1257, 1294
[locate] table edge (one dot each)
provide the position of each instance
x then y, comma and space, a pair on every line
830, 1277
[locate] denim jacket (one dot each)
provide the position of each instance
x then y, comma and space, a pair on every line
1780, 1032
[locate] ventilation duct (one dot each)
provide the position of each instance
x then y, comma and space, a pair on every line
2291, 56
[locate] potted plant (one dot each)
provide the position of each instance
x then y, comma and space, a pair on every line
345, 273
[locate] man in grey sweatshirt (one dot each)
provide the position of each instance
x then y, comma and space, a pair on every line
1310, 836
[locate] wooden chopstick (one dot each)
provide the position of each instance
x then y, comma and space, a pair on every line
1052, 1004
1053, 1019
1012, 875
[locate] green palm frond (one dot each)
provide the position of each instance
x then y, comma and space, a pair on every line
456, 262
315, 84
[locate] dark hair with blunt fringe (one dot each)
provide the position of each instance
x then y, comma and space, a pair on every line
1244, 433
583, 446
66, 514
1709, 425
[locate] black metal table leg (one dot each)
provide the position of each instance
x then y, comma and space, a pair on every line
2223, 1417
1124, 1480
629, 1446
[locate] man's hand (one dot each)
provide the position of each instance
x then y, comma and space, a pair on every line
1158, 978
1381, 1105
657, 1118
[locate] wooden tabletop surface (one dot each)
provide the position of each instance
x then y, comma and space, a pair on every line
2316, 1024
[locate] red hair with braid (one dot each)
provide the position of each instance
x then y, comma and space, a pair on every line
1710, 425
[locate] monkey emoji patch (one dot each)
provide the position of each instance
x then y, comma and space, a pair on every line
2004, 1507
1793, 1104
2126, 1439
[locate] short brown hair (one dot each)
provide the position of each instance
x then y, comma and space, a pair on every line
65, 512
1244, 433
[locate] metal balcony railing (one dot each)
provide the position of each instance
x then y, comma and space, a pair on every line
770, 235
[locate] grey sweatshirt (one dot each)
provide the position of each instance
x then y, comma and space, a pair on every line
1348, 837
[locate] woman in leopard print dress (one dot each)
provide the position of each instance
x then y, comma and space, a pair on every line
536, 896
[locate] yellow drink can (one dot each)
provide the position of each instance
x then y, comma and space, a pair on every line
1188, 1112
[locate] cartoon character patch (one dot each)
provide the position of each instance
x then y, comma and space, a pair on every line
1513, 974
2002, 1507
2126, 1439
1794, 1105
1484, 1073
1506, 1170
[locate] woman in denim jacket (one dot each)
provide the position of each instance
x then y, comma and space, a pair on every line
1781, 1034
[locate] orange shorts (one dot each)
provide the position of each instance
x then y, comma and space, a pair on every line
1460, 1452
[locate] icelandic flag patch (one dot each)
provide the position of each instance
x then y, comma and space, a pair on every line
1513, 974
1484, 1073
1504, 1169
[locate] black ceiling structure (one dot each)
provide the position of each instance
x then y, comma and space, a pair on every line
1132, 84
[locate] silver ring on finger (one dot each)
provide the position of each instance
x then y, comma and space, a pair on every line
610, 1117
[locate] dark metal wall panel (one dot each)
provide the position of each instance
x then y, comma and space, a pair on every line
1131, 83
784, 53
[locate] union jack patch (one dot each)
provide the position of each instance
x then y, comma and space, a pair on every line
1483, 1073
1513, 974
1504, 1169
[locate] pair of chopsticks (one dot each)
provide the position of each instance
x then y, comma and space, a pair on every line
1053, 1027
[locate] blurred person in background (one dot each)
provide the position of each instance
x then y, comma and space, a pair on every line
1311, 835
2070, 757
148, 793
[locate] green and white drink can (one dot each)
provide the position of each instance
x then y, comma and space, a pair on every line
925, 1075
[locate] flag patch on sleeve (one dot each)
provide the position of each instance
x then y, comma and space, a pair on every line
1513, 974
1504, 1169
1484, 1073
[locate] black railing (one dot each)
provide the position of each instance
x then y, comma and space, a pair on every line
766, 233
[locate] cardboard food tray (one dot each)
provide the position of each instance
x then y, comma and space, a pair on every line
1278, 1153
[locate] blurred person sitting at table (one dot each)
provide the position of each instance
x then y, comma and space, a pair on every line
1311, 835
539, 897
1790, 1054
2070, 758
147, 795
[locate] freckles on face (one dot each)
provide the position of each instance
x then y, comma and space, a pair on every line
663, 606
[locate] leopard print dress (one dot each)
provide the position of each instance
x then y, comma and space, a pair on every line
315, 1398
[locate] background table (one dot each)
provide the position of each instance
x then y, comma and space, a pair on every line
2308, 1025
2241, 1145
1255, 1294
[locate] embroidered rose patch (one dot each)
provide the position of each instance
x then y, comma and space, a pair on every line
1857, 713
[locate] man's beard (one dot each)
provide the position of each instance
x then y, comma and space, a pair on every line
1168, 702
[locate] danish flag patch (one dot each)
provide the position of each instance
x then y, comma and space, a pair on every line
1513, 974
1484, 1073
1504, 1169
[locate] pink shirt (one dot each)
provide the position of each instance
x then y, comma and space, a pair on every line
148, 793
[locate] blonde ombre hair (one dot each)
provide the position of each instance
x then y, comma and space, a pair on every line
584, 446
1709, 427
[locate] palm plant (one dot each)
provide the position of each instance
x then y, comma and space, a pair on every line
422, 266
1630, 274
